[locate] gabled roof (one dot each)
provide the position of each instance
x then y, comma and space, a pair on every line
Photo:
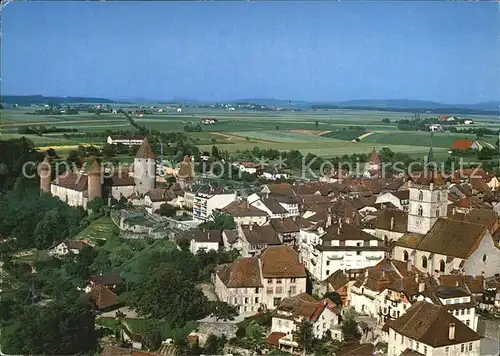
242, 273
284, 225
145, 150
477, 216
337, 279
281, 262
474, 283
102, 297
242, 209
76, 244
374, 157
390, 220
107, 279
452, 238
345, 232
279, 189
429, 324
214, 236
71, 180
261, 235
303, 306
186, 168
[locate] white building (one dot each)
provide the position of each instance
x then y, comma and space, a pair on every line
208, 201
399, 199
202, 240
248, 167
275, 206
324, 316
338, 246
274, 174
66, 247
245, 214
125, 140
431, 330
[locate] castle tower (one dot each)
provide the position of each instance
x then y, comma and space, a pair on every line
94, 182
45, 173
186, 172
428, 198
144, 168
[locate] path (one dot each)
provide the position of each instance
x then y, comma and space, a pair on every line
239, 137
365, 135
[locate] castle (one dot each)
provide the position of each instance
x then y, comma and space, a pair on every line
79, 188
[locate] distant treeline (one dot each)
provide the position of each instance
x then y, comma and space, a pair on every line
449, 111
40, 130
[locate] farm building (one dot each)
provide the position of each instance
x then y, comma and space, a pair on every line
462, 145
208, 120
125, 140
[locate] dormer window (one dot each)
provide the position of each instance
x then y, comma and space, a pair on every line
420, 195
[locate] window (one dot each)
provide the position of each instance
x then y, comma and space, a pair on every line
235, 300
468, 311
395, 335
293, 280
462, 348
278, 281
270, 281
256, 300
293, 290
358, 244
256, 290
446, 351
270, 290
424, 262
425, 350
276, 301
462, 311
420, 211
358, 253
402, 339
437, 212
246, 300
327, 272
279, 322
441, 266
279, 290
405, 256
417, 346
438, 196
328, 263
467, 322
420, 195
485, 258
470, 346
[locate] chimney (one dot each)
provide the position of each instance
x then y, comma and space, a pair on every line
421, 287
383, 273
416, 277
451, 331
250, 227
208, 236
248, 205
328, 220
453, 211
294, 218
392, 223
366, 272
204, 230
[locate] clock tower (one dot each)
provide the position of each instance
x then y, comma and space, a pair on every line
428, 198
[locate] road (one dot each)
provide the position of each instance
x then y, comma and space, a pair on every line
490, 344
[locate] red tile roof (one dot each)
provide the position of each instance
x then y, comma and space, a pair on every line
462, 144
281, 262
274, 337
103, 297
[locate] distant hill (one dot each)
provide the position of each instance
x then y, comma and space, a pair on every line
26, 100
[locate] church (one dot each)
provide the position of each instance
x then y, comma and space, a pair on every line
79, 188
437, 245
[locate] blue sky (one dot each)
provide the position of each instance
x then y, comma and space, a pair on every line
312, 51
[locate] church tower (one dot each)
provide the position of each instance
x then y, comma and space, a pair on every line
428, 198
45, 173
144, 168
94, 181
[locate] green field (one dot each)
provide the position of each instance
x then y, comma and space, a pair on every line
240, 130
100, 229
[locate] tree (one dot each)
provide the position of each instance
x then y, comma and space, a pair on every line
316, 124
223, 311
349, 327
74, 158
255, 337
167, 210
152, 339
305, 335
166, 293
220, 221
386, 121
214, 345
215, 151
63, 327
277, 128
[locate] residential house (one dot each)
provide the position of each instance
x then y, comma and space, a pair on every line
283, 274
338, 246
338, 282
275, 206
431, 330
324, 315
245, 214
202, 240
287, 230
254, 283
240, 284
252, 239
490, 299
112, 281
388, 224
68, 247
249, 167
273, 173
159, 196
104, 299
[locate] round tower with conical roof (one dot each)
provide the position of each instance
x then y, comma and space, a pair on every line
45, 173
144, 168
94, 181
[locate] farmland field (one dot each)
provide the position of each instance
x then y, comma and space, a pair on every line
324, 133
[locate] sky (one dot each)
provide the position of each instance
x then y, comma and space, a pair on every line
311, 51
